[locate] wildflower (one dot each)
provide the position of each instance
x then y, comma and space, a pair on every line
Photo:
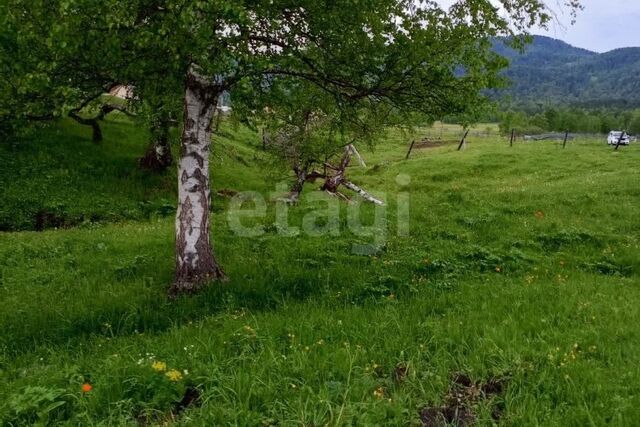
86, 387
379, 392
174, 375
539, 214
159, 366
498, 269
392, 296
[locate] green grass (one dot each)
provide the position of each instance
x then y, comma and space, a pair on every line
522, 263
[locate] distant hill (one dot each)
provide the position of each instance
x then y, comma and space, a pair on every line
553, 72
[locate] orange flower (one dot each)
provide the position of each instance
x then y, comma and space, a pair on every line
539, 214
86, 387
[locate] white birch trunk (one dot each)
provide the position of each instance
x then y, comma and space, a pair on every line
195, 261
368, 197
358, 156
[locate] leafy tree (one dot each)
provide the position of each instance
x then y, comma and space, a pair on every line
307, 130
634, 122
401, 53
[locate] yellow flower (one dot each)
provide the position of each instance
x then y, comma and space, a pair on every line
379, 392
174, 375
159, 366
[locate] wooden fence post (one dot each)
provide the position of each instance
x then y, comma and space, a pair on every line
620, 140
566, 135
513, 132
462, 140
410, 148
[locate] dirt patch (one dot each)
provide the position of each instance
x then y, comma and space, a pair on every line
459, 404
435, 143
44, 219
400, 373
191, 398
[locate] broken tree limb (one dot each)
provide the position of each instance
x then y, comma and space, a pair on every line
339, 195
331, 183
358, 156
302, 176
368, 197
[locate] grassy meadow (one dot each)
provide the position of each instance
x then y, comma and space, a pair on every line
521, 270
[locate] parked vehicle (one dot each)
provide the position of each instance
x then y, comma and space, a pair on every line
618, 137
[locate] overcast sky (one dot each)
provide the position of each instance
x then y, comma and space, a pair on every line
602, 26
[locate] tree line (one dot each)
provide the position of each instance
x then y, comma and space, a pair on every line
569, 119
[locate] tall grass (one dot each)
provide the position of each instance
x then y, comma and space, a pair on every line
521, 263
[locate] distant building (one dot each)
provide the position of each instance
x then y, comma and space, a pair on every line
122, 91
127, 92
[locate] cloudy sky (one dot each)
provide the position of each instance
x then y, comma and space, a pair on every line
602, 26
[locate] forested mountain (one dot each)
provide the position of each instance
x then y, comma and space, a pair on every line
552, 72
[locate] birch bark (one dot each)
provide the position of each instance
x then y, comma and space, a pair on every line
195, 261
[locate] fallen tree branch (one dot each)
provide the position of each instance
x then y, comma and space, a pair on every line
368, 197
358, 156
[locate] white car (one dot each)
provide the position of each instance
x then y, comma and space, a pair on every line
614, 137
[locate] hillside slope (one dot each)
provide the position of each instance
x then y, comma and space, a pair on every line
553, 72
521, 271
